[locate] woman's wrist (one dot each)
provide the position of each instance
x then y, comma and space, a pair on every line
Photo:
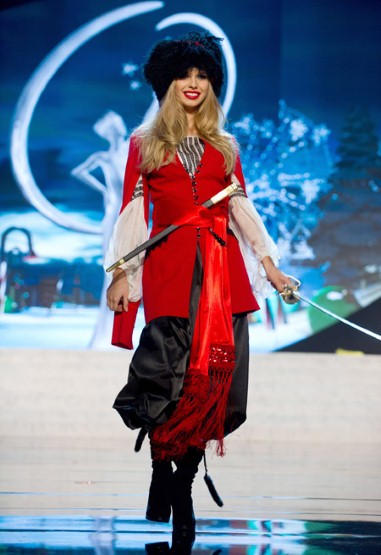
118, 273
267, 263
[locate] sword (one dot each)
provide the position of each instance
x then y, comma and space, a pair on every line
153, 240
291, 295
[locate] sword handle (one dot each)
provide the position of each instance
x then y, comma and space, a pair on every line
290, 292
221, 195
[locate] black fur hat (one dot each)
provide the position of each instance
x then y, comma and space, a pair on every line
171, 59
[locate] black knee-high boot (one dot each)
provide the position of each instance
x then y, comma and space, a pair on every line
159, 497
184, 522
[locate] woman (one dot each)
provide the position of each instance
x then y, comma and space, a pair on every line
187, 382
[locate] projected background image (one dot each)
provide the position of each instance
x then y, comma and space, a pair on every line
302, 98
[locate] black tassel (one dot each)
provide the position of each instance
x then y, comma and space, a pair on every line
211, 487
139, 440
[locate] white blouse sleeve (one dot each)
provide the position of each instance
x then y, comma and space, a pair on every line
130, 231
254, 241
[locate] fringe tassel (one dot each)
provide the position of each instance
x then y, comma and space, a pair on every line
172, 439
211, 487
200, 414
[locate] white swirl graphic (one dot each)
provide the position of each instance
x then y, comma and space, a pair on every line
30, 97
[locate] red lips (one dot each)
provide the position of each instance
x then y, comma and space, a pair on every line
192, 95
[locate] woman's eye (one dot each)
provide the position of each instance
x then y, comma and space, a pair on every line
202, 76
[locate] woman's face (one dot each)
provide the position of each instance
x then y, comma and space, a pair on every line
192, 89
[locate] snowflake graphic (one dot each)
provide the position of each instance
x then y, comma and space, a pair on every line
286, 164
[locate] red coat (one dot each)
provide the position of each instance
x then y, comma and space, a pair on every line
168, 267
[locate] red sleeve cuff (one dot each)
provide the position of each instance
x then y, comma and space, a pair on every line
124, 323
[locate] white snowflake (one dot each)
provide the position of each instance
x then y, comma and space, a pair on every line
135, 85
129, 69
297, 129
320, 133
311, 188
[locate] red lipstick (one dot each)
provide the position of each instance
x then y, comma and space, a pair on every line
192, 95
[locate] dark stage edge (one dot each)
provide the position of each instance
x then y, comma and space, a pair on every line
43, 535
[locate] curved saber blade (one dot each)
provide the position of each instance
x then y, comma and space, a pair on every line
291, 295
337, 317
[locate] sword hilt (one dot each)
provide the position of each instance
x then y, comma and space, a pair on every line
232, 188
290, 292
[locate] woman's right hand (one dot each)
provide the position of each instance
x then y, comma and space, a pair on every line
117, 292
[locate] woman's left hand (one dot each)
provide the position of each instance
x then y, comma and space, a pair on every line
275, 276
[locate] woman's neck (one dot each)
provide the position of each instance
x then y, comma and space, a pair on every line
192, 129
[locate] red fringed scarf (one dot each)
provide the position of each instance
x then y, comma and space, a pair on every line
200, 414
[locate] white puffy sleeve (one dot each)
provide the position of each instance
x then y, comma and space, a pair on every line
254, 241
130, 231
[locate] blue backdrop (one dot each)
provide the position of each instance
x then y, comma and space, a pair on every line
302, 99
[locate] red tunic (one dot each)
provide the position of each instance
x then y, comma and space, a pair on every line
168, 267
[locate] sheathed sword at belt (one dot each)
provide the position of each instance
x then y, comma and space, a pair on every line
153, 240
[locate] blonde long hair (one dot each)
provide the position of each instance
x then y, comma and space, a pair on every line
159, 138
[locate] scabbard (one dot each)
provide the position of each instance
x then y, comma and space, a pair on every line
159, 236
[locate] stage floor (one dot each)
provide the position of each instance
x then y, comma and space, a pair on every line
76, 496
114, 535
302, 476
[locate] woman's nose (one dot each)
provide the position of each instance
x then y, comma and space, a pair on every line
193, 81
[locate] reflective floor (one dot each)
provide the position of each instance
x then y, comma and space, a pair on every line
114, 535
302, 476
